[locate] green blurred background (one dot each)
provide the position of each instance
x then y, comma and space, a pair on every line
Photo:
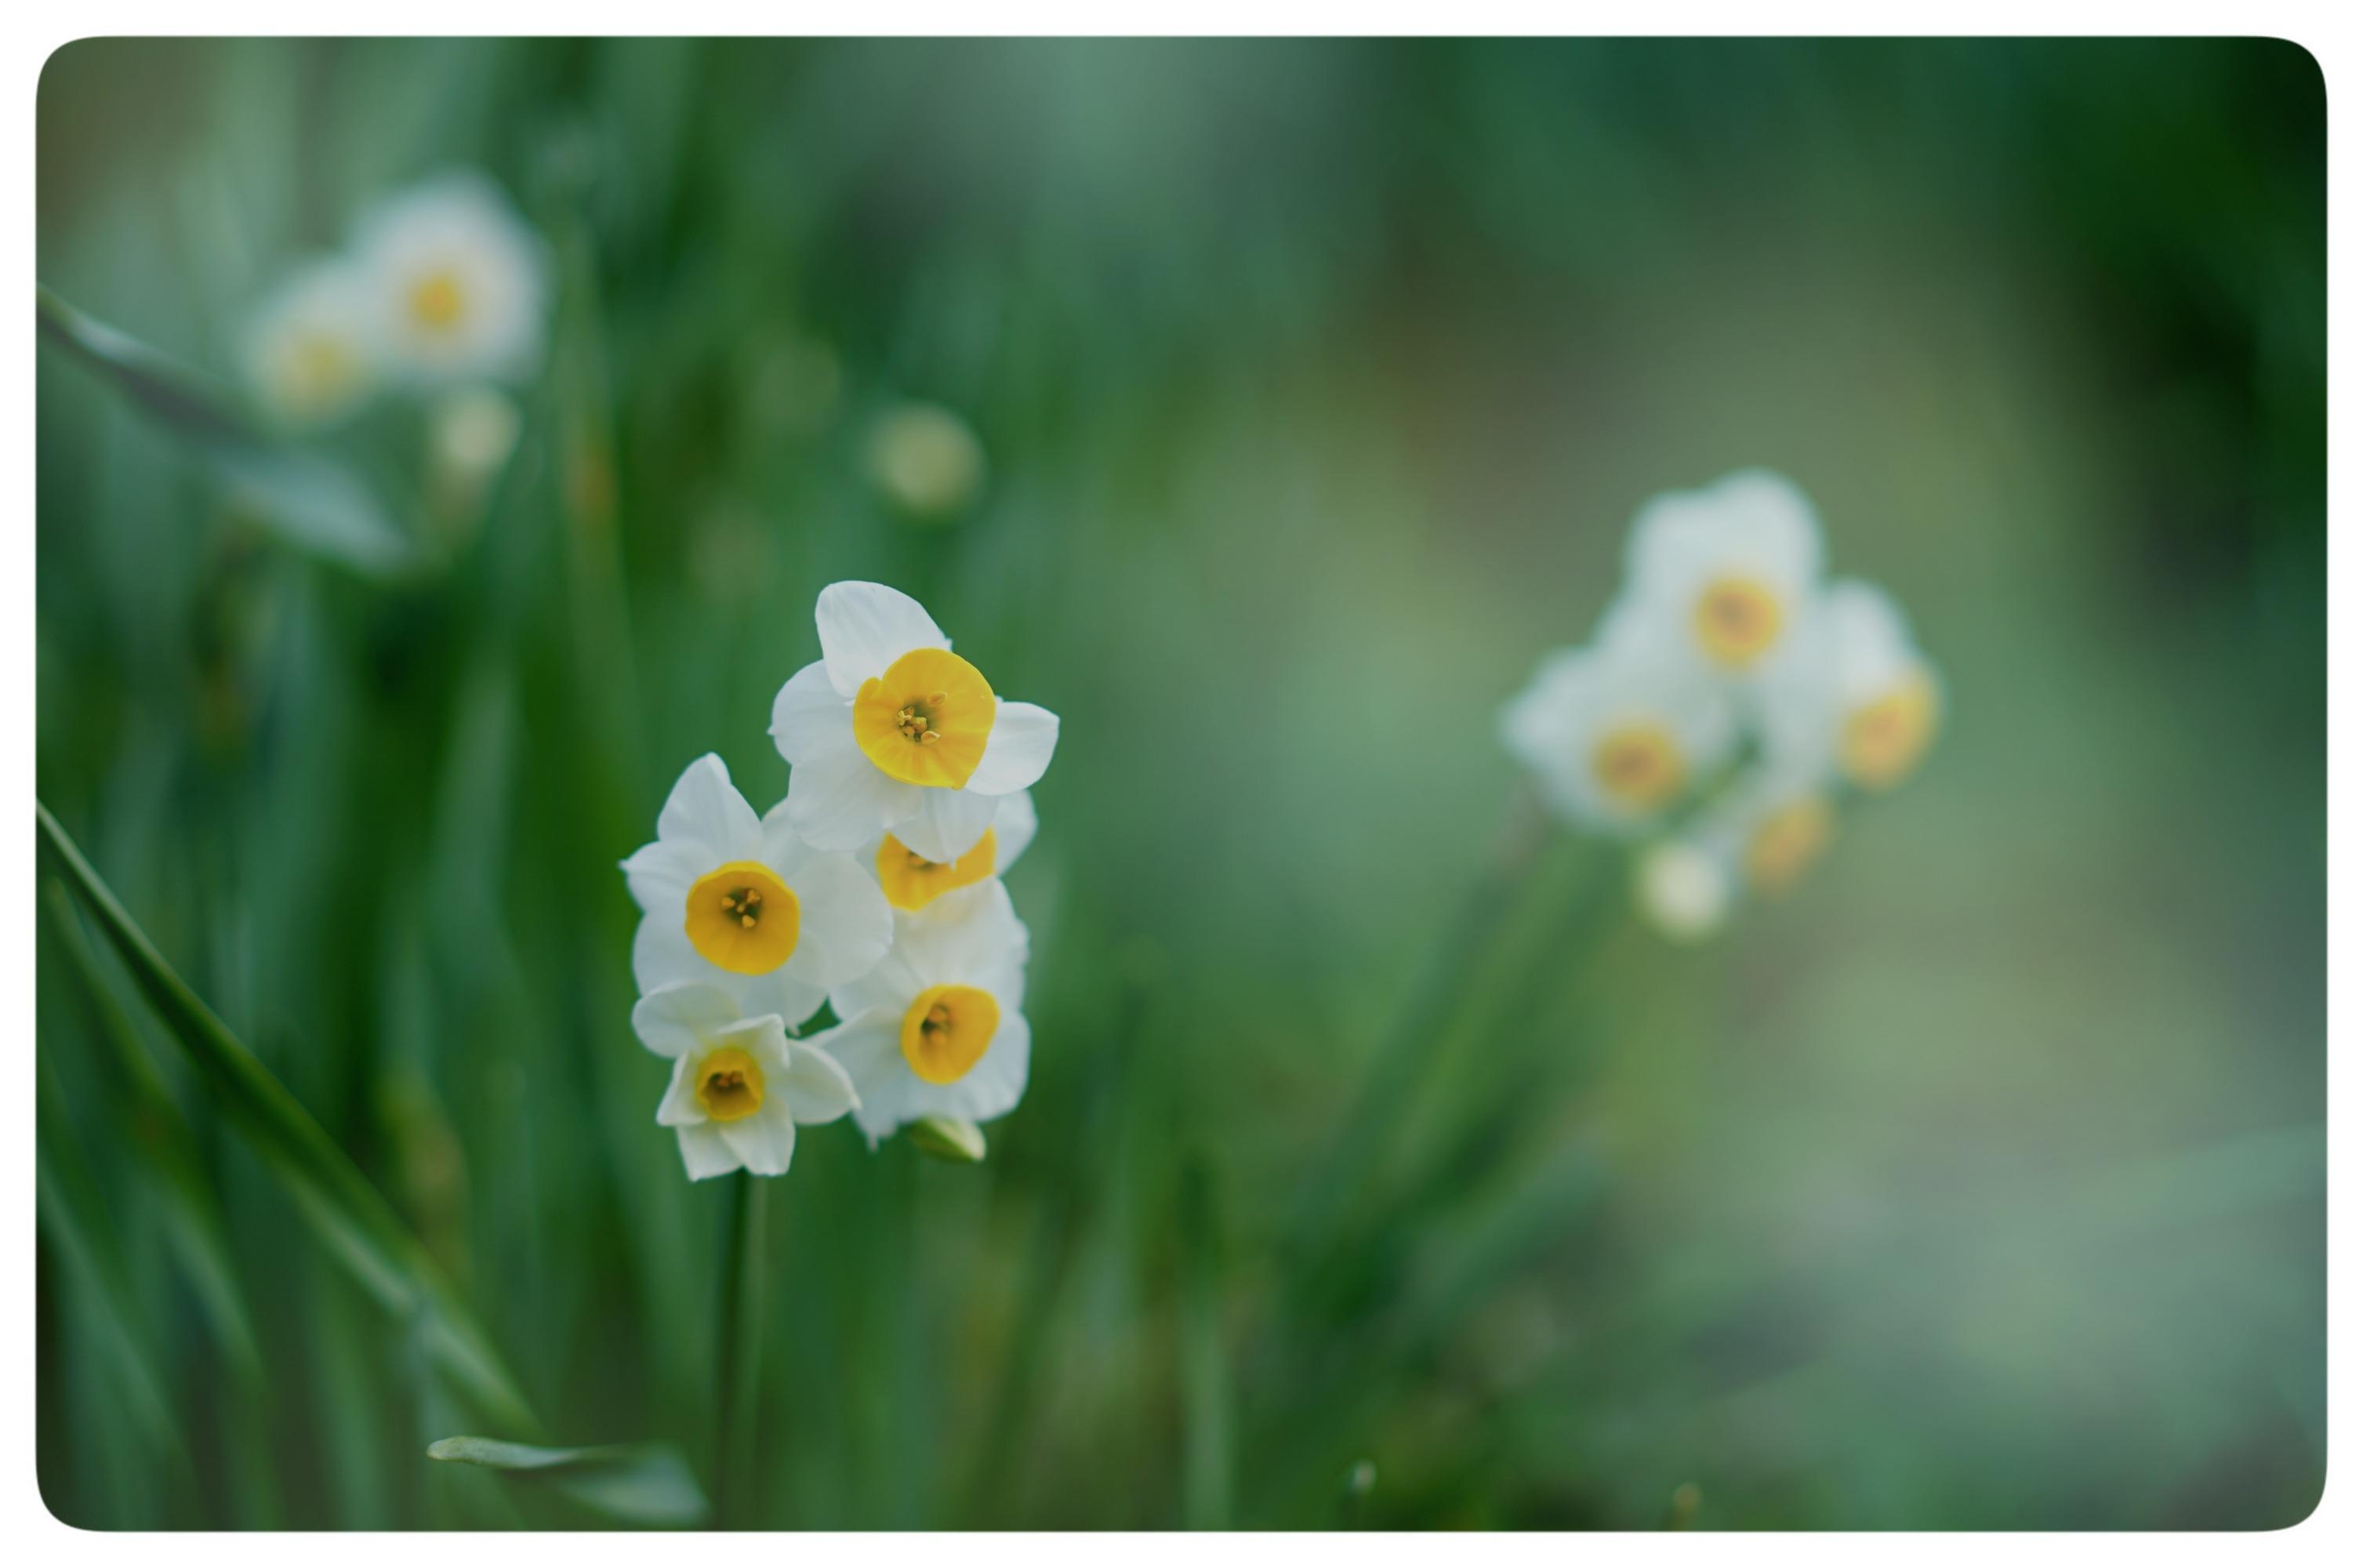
1979, 1182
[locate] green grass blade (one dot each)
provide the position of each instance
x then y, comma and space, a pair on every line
313, 504
360, 1227
648, 1484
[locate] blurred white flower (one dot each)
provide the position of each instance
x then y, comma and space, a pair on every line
926, 459
1728, 571
937, 1029
1775, 825
911, 880
311, 352
739, 1085
1618, 732
462, 282
891, 732
1683, 888
1889, 699
745, 905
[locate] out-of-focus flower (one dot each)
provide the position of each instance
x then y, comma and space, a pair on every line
462, 282
1889, 699
926, 459
1683, 888
937, 1029
312, 350
891, 732
471, 431
1775, 825
1619, 731
1728, 571
739, 1085
912, 880
745, 904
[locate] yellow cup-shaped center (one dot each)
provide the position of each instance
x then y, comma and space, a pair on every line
913, 882
947, 1031
1638, 765
1788, 842
1885, 738
437, 302
729, 1083
1736, 618
926, 721
743, 919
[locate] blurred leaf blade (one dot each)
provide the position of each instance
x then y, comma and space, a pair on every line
311, 503
360, 1227
648, 1484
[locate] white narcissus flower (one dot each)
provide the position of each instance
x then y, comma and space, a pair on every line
1618, 732
937, 1029
739, 1085
311, 352
745, 904
464, 283
1774, 825
911, 880
1889, 699
1729, 571
890, 732
1683, 888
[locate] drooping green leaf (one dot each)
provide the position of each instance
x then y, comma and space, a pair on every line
647, 1483
360, 1227
312, 502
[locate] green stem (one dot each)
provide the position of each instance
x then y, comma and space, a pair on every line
738, 1348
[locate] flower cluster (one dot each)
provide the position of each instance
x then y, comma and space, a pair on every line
442, 285
874, 887
1728, 699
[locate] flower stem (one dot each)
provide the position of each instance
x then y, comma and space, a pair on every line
739, 1349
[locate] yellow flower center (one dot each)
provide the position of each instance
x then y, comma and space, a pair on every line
1639, 765
743, 919
1788, 842
926, 721
437, 302
913, 882
1886, 737
947, 1031
320, 367
1736, 618
729, 1083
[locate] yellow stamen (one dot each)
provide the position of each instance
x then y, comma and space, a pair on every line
1885, 738
913, 882
1737, 619
437, 302
729, 1083
1788, 842
947, 1031
927, 720
1639, 765
742, 917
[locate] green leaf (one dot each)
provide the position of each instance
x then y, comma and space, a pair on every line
309, 502
949, 1137
648, 1484
360, 1227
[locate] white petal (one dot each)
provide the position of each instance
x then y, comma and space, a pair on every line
779, 992
837, 799
844, 922
893, 985
680, 1106
1018, 750
659, 875
808, 712
765, 1142
864, 627
991, 1088
869, 1046
661, 955
1013, 829
948, 823
705, 812
971, 936
815, 1085
673, 1021
702, 1151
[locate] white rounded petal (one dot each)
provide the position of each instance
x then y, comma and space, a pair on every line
706, 813
971, 936
948, 823
869, 1047
891, 985
1018, 749
844, 923
703, 1152
661, 955
1013, 829
839, 800
991, 1088
815, 1085
765, 1142
865, 626
675, 1019
659, 875
809, 713
679, 1107
778, 993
